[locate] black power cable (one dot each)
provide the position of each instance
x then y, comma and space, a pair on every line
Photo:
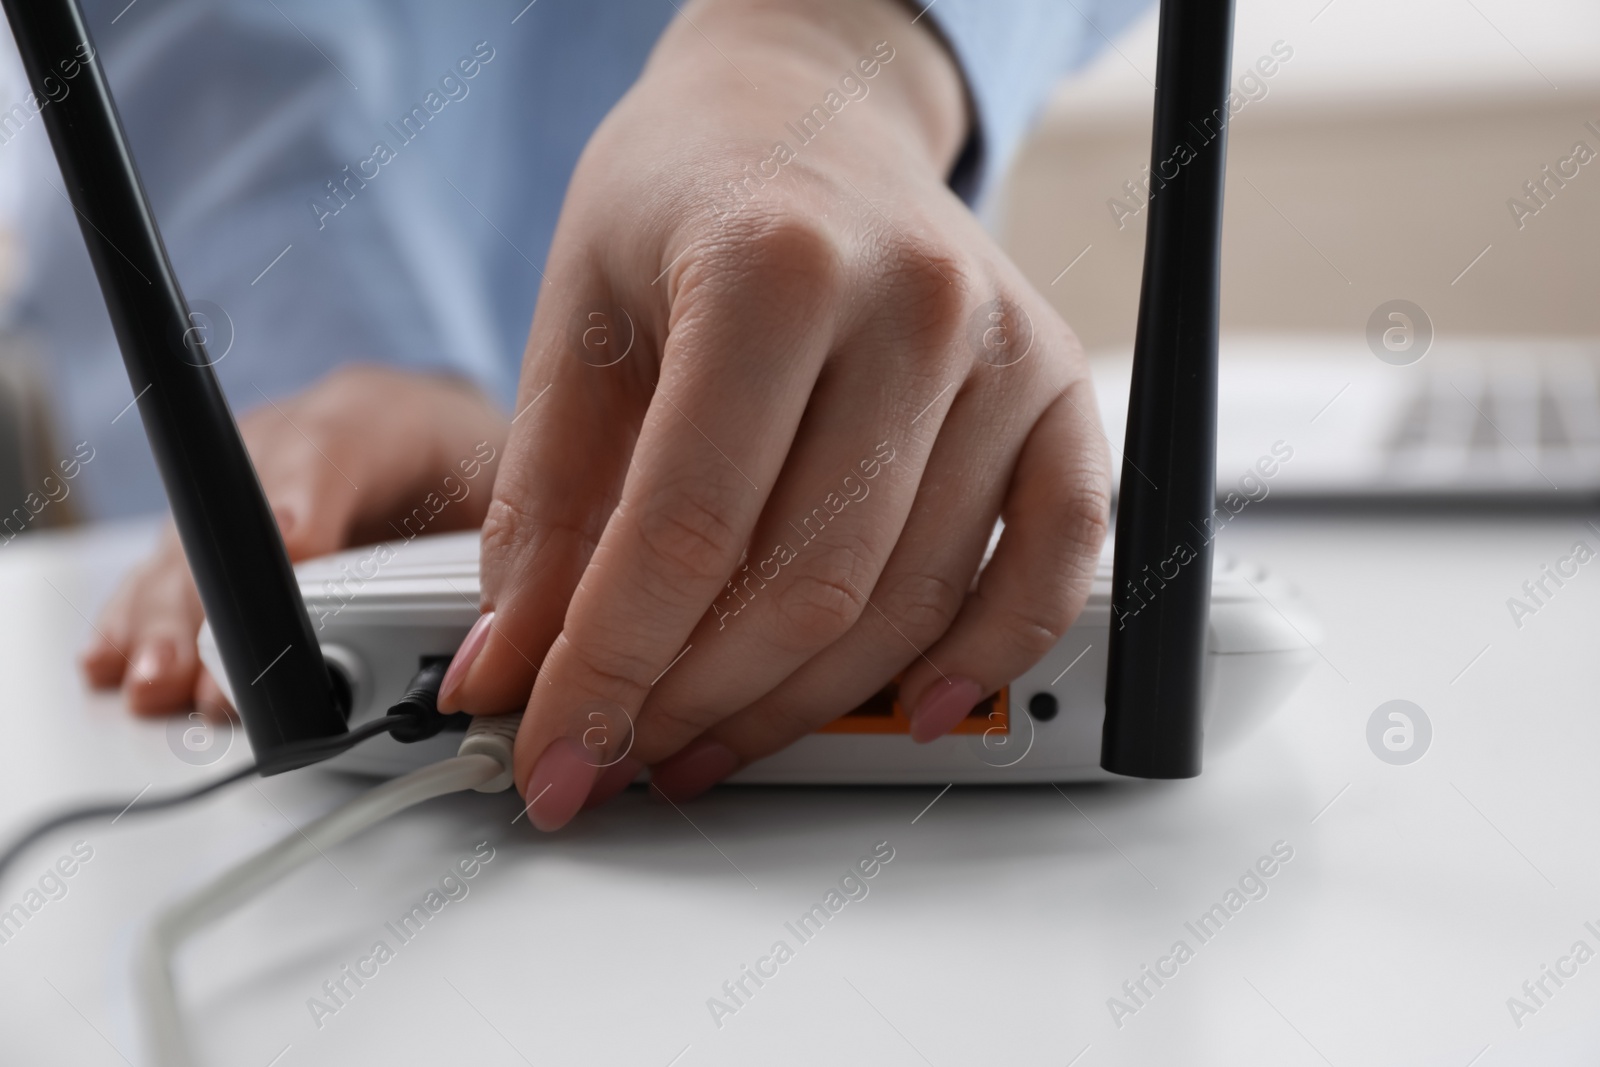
415, 718
114, 810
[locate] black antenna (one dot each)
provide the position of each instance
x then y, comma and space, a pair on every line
274, 665
1161, 578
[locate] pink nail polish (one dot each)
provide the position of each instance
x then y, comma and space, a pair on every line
560, 783
944, 705
613, 780
698, 767
462, 661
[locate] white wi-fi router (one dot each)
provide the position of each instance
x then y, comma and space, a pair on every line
379, 622
1205, 659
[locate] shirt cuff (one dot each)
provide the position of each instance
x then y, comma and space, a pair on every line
1012, 55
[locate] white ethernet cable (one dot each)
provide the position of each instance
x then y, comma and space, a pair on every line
483, 763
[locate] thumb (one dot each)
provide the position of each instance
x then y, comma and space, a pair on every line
311, 488
314, 510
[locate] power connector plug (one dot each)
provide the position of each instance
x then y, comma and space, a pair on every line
421, 705
494, 736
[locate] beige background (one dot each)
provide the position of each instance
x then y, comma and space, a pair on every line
1377, 166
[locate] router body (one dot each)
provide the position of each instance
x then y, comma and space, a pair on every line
1167, 672
381, 611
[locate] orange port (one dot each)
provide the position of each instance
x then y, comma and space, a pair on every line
882, 714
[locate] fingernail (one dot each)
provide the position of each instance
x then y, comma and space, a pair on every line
461, 662
150, 662
613, 780
559, 784
691, 772
945, 704
286, 519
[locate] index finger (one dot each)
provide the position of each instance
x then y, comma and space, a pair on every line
749, 332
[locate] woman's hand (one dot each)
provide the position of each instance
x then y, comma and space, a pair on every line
339, 463
779, 385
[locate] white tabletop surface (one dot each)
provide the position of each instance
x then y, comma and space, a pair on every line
1418, 899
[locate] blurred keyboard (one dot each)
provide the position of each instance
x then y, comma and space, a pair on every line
1474, 419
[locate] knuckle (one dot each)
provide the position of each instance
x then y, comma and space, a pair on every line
515, 542
778, 249
1033, 626
1085, 517
812, 611
609, 669
684, 528
927, 286
505, 528
930, 270
823, 600
922, 605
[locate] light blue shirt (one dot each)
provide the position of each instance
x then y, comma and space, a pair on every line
424, 253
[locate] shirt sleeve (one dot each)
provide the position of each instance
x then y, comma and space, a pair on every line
1012, 54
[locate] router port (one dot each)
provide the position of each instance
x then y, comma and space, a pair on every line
1043, 707
882, 714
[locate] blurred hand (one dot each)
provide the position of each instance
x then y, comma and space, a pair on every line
778, 387
394, 434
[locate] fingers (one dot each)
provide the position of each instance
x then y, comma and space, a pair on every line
1028, 595
108, 656
823, 539
736, 374
613, 780
352, 458
343, 460
103, 661
303, 473
147, 633
314, 505
145, 638
1035, 585
913, 602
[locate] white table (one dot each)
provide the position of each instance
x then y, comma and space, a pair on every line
1419, 898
